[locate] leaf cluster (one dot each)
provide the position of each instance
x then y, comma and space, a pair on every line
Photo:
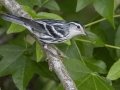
93, 61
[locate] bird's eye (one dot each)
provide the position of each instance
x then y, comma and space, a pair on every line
78, 27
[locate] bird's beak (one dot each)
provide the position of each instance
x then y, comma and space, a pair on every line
86, 34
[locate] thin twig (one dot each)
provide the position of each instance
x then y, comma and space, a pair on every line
106, 45
100, 20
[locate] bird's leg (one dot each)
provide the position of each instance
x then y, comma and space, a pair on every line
45, 47
60, 53
51, 50
55, 52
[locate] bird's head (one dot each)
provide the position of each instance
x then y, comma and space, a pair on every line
76, 28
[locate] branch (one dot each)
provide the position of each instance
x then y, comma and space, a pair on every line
54, 60
100, 20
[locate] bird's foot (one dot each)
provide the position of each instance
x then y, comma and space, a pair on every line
54, 50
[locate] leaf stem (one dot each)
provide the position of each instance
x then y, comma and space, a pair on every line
80, 54
107, 45
111, 46
92, 23
41, 5
44, 2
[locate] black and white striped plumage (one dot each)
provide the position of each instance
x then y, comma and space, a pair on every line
48, 30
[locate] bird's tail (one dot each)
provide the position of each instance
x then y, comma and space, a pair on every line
31, 25
13, 18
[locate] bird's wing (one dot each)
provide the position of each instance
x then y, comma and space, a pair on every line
57, 28
62, 29
50, 21
36, 27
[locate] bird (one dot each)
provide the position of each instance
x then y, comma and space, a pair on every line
48, 31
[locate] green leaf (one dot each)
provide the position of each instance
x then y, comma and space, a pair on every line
11, 53
14, 28
20, 66
71, 51
96, 29
116, 84
116, 4
68, 42
51, 4
94, 82
84, 78
29, 39
29, 10
95, 39
114, 72
85, 48
39, 53
96, 65
117, 41
110, 36
105, 8
78, 71
49, 16
92, 38
27, 68
81, 4
21, 77
45, 70
29, 3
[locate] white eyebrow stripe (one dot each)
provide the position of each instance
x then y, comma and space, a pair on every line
77, 24
57, 24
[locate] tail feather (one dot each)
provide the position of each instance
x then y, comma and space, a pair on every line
12, 18
31, 25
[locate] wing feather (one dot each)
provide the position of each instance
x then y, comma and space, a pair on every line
59, 27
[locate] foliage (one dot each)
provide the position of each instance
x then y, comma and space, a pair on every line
94, 59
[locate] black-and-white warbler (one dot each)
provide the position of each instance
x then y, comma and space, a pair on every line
49, 30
